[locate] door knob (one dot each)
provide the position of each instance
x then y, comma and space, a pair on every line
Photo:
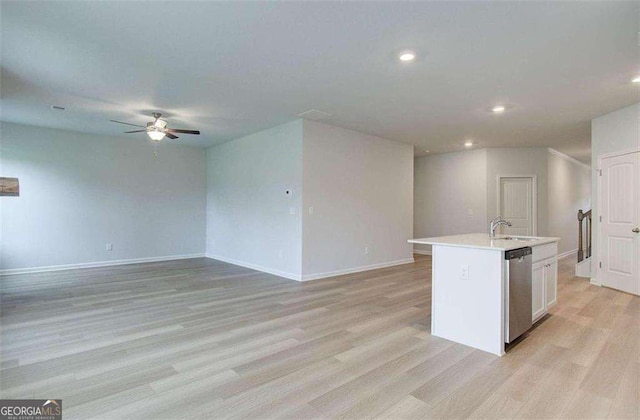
636, 230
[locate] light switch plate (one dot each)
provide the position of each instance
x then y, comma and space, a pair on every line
464, 272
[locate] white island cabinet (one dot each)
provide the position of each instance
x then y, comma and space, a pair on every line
470, 280
544, 279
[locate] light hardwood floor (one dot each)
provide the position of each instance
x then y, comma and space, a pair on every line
204, 339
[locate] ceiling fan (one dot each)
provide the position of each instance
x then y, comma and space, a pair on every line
157, 129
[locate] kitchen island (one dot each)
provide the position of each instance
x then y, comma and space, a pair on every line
470, 285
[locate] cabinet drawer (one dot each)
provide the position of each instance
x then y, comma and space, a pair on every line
542, 252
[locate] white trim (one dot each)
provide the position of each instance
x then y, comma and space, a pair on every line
566, 254
316, 276
595, 213
569, 158
422, 252
614, 154
97, 264
534, 204
290, 276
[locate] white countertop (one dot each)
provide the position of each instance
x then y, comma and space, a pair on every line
483, 241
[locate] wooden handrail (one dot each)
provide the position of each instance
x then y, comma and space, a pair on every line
584, 251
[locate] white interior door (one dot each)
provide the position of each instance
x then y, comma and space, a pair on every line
620, 212
516, 205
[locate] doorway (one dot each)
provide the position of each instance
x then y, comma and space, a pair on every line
517, 204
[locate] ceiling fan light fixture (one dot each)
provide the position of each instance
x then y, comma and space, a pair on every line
156, 135
161, 124
157, 129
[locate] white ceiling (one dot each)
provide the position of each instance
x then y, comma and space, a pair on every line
234, 68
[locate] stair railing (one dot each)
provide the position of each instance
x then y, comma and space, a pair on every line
584, 246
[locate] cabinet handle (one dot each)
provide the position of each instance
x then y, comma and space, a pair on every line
636, 230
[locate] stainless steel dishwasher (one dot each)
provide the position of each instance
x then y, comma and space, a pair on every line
518, 294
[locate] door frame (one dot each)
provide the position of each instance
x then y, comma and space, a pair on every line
534, 193
596, 261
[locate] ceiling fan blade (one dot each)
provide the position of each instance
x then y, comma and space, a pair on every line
171, 136
176, 130
135, 131
120, 122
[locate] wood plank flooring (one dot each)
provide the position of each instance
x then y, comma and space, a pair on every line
205, 339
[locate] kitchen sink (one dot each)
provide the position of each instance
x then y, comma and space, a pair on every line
518, 239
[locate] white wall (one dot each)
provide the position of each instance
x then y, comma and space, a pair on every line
569, 191
518, 161
249, 220
450, 194
457, 192
80, 191
610, 133
361, 191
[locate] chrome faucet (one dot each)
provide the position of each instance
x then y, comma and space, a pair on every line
493, 225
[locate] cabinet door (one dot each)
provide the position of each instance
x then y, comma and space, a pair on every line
537, 292
551, 282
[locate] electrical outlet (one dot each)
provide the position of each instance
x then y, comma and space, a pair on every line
464, 272
311, 210
366, 250
108, 247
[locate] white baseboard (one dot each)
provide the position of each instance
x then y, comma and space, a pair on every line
566, 254
422, 252
291, 276
308, 277
595, 281
97, 264
316, 276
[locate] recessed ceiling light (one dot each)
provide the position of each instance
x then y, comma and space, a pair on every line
407, 56
426, 151
498, 109
468, 143
635, 79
